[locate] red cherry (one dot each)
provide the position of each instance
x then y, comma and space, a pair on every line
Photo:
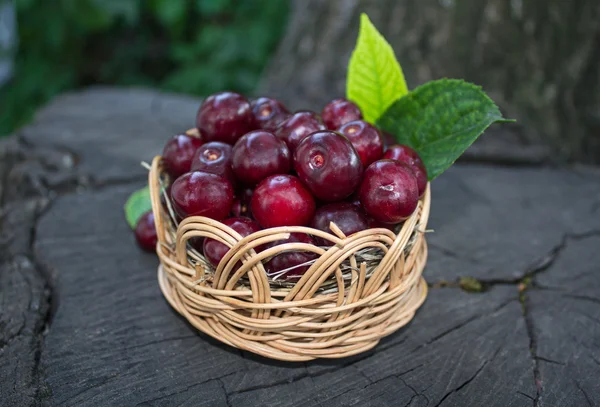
297, 127
197, 242
215, 158
259, 154
366, 139
348, 217
282, 200
388, 140
339, 112
224, 116
409, 156
241, 204
375, 224
354, 199
145, 232
389, 191
178, 154
328, 164
202, 194
294, 260
268, 113
214, 251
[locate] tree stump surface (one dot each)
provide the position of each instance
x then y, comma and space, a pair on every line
83, 322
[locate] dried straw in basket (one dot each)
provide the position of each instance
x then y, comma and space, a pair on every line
357, 291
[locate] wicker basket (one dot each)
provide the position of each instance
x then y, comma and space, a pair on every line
359, 290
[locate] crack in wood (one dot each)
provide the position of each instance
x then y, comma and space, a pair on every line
581, 389
470, 379
532, 350
547, 360
526, 395
304, 375
462, 325
222, 384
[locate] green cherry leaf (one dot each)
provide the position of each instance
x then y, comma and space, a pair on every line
375, 79
440, 120
137, 204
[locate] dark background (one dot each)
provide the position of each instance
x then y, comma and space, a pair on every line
189, 46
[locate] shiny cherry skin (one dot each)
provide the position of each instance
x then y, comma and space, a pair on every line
297, 127
295, 260
179, 152
214, 157
201, 193
339, 112
214, 251
348, 217
268, 113
259, 154
224, 116
145, 232
241, 204
282, 200
389, 191
366, 139
409, 156
328, 164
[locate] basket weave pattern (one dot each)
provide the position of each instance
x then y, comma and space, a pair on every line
241, 307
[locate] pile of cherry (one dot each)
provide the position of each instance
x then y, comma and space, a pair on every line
255, 165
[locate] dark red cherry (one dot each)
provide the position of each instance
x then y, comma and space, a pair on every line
389, 191
214, 250
328, 164
197, 242
215, 158
409, 156
179, 152
388, 140
348, 217
268, 113
145, 232
366, 140
282, 200
224, 116
241, 204
298, 126
259, 154
295, 261
354, 199
200, 193
374, 224
339, 112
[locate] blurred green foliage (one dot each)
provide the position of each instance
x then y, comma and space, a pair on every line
190, 46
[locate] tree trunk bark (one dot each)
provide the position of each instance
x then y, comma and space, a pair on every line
538, 59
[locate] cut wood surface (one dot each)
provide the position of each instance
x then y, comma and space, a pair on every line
83, 322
